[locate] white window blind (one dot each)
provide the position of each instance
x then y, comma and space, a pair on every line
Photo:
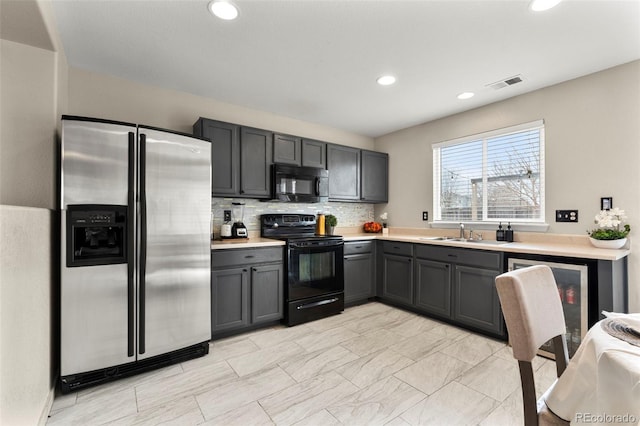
494, 176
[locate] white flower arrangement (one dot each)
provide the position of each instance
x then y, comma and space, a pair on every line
609, 225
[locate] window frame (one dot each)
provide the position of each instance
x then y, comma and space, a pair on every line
524, 224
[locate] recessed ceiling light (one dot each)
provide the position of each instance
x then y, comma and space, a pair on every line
223, 9
386, 80
540, 5
466, 95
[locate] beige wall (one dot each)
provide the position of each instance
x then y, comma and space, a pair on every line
33, 93
28, 131
108, 97
592, 134
27, 357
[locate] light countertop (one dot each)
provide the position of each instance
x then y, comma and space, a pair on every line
550, 245
245, 243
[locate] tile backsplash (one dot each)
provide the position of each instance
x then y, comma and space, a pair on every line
348, 214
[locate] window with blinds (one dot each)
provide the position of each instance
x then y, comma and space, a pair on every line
494, 176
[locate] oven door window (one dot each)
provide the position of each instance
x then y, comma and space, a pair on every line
315, 271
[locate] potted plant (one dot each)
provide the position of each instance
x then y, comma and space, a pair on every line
610, 233
330, 223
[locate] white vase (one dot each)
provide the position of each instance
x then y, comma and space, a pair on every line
609, 244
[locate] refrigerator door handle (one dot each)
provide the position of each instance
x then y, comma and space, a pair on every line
143, 243
131, 200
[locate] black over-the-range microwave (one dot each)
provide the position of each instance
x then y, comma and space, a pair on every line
299, 184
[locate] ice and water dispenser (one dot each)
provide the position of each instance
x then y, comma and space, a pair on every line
96, 235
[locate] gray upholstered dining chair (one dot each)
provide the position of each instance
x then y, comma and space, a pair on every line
533, 312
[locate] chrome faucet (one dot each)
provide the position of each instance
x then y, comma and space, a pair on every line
471, 234
462, 230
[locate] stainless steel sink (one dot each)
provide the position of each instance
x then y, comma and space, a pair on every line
492, 242
463, 240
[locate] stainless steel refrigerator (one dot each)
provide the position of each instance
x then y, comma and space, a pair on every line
135, 249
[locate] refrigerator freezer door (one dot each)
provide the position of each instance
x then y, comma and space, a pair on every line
96, 322
175, 262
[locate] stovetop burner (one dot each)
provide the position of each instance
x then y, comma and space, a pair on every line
289, 227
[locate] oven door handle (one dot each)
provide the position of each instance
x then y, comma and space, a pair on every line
319, 303
322, 245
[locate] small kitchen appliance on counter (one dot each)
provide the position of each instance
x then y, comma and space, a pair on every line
314, 266
238, 230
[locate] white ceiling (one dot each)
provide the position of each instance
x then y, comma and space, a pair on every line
317, 61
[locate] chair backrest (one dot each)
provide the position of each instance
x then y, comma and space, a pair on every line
532, 309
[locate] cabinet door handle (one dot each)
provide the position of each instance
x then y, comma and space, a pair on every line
244, 270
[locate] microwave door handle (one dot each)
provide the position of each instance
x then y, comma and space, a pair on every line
317, 186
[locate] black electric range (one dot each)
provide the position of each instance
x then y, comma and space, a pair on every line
314, 266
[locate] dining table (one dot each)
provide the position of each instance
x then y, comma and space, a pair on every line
601, 384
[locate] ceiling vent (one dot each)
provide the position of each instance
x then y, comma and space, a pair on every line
510, 81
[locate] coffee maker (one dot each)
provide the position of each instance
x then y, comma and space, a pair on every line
238, 230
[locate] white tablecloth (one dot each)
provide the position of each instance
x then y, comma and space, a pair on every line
601, 385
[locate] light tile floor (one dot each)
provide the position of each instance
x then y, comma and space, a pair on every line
371, 365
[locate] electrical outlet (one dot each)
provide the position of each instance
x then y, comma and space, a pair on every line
227, 215
566, 215
425, 215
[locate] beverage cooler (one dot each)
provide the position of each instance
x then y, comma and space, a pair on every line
572, 280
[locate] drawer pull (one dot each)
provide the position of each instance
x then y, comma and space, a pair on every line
249, 256
358, 247
452, 255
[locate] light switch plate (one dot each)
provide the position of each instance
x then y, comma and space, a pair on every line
566, 215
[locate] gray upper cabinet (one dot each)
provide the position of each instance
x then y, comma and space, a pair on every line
255, 162
287, 149
343, 163
314, 153
242, 159
225, 154
375, 177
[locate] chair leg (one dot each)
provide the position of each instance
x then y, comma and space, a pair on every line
528, 393
562, 355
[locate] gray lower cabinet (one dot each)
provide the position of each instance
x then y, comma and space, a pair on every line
267, 298
229, 299
246, 288
458, 284
397, 272
433, 287
358, 271
476, 299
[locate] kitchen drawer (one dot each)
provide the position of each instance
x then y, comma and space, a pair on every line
400, 249
484, 259
357, 247
241, 257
